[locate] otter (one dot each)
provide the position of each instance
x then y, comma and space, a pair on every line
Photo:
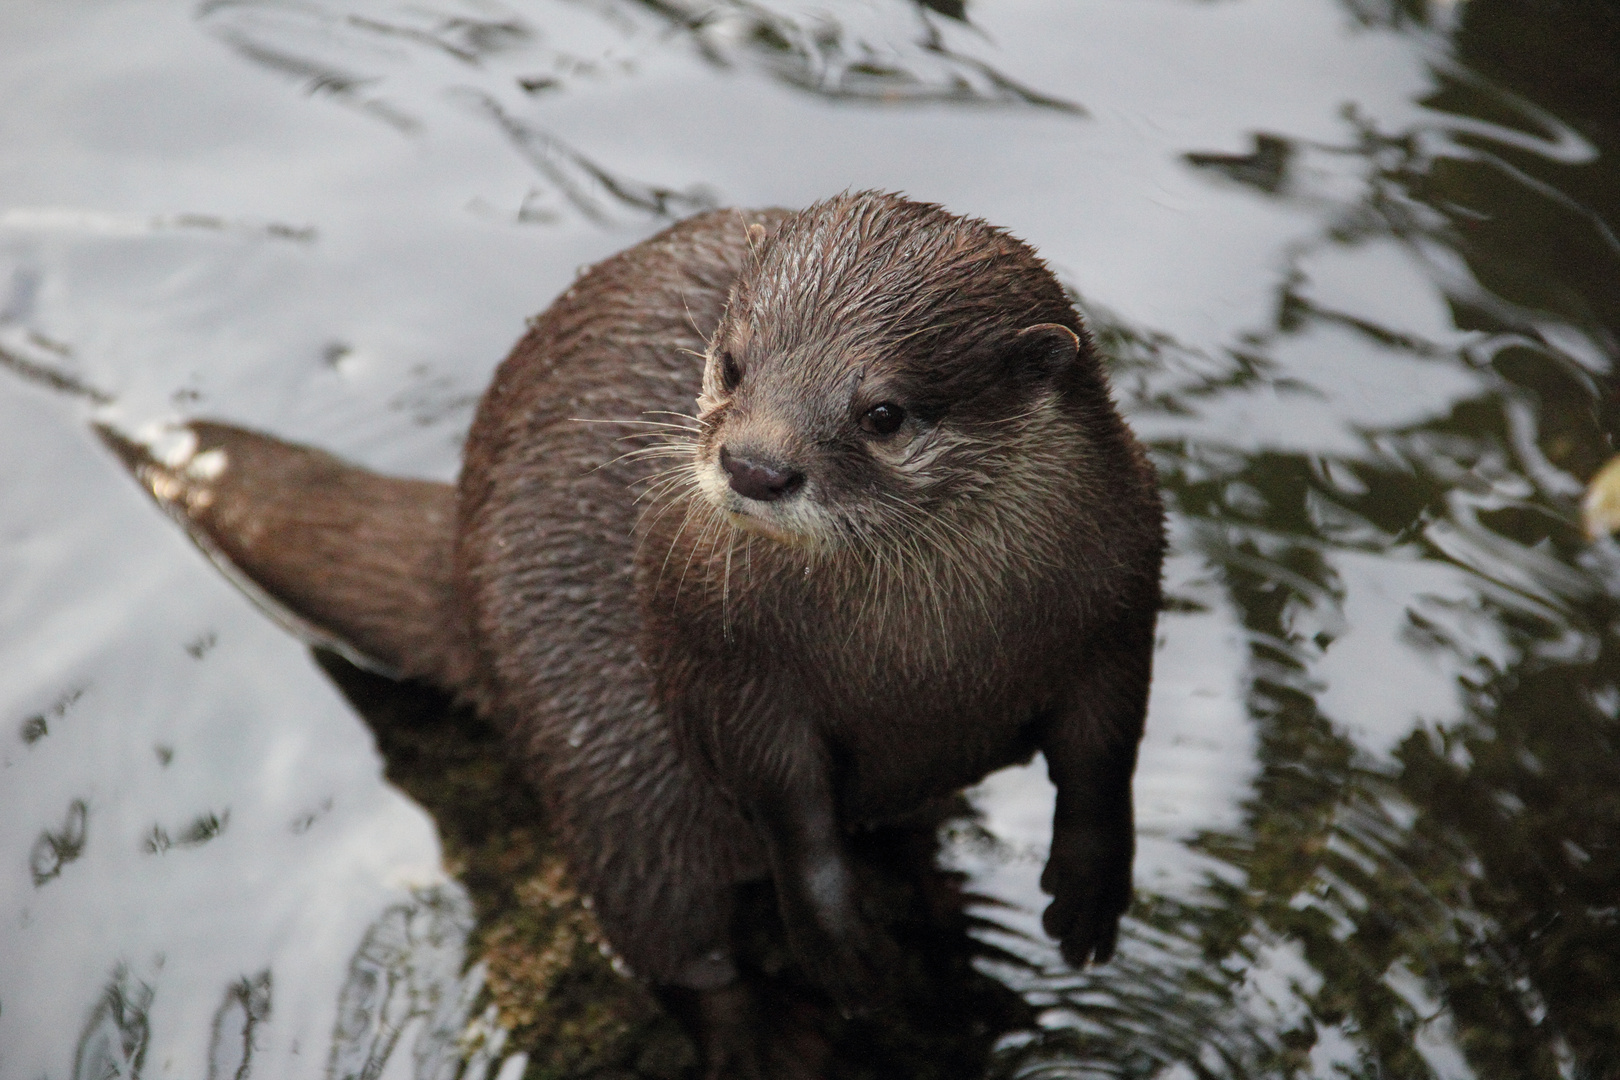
774, 526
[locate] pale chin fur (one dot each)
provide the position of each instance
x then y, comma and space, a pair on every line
797, 523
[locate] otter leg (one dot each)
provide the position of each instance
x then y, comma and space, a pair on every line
1090, 746
816, 888
725, 1024
660, 857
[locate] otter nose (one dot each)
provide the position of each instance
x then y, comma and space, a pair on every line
763, 482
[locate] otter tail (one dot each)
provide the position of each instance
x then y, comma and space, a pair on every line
348, 558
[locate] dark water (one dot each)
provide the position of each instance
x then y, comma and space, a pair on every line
1355, 265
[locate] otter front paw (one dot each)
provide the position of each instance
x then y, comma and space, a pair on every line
1089, 878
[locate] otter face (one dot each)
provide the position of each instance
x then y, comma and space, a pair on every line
805, 459
874, 368
817, 452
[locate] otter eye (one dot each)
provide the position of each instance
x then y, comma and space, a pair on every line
730, 374
884, 419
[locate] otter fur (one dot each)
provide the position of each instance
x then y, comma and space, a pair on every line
772, 526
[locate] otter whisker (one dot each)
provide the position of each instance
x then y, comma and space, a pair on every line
886, 541
657, 454
661, 483
668, 490
692, 507
694, 423
686, 305
673, 450
673, 484
877, 592
639, 423
714, 518
665, 439
937, 526
681, 468
667, 448
725, 593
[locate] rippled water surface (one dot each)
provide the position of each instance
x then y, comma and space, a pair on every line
1355, 267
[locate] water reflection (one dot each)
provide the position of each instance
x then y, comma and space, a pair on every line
245, 1008
887, 54
406, 977
53, 850
1417, 889
1377, 542
114, 1041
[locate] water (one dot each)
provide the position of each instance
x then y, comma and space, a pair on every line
1355, 267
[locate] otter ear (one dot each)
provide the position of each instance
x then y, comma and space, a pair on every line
1045, 349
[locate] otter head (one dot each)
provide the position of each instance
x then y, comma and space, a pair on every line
880, 362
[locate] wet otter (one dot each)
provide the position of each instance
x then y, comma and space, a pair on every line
904, 539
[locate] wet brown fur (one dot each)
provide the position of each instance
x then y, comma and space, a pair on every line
708, 689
